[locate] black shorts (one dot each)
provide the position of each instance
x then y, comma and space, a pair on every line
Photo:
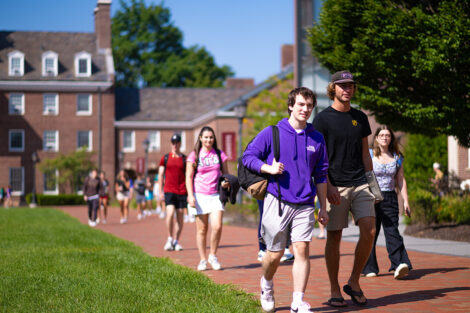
179, 201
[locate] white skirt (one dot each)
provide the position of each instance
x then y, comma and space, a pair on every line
206, 204
122, 195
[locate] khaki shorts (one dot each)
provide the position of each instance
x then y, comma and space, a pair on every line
358, 199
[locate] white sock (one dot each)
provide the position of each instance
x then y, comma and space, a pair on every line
175, 242
266, 283
170, 239
297, 297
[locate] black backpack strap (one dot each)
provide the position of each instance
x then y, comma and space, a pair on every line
277, 154
220, 159
165, 161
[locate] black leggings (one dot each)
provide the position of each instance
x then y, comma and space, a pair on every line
93, 208
386, 214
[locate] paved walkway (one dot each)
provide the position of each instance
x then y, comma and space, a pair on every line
438, 283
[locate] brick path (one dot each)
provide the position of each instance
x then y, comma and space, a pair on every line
438, 283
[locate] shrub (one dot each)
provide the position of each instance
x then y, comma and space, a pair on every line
64, 199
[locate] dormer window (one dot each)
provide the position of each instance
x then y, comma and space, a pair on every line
16, 63
49, 64
83, 64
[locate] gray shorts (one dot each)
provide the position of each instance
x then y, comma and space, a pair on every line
140, 198
295, 224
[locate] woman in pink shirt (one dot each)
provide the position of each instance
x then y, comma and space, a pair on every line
204, 167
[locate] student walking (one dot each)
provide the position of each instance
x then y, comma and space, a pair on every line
92, 188
204, 167
121, 188
160, 204
388, 167
140, 196
171, 184
148, 195
346, 130
303, 157
104, 199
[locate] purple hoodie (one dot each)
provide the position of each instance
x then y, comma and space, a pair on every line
303, 154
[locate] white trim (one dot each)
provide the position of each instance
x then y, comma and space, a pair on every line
453, 155
16, 193
55, 111
50, 192
83, 55
55, 148
55, 86
183, 141
50, 55
16, 54
10, 149
10, 112
90, 140
90, 105
154, 145
132, 147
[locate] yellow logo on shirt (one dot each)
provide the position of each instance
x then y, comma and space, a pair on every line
354, 122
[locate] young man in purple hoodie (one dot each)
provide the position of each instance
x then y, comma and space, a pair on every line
303, 156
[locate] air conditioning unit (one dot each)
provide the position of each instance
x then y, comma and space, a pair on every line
50, 110
49, 147
50, 73
16, 72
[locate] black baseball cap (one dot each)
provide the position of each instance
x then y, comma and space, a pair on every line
342, 77
175, 138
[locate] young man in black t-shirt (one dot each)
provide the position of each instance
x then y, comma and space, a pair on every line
345, 130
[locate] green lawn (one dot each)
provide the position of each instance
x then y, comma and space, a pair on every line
50, 262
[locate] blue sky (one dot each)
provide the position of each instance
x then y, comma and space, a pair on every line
244, 34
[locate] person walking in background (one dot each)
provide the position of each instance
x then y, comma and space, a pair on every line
204, 167
171, 185
346, 130
122, 194
303, 157
104, 199
388, 167
438, 179
322, 234
92, 188
160, 204
148, 195
140, 196
2, 195
8, 199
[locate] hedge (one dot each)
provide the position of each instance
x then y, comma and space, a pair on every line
63, 199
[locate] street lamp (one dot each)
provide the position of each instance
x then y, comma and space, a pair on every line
121, 159
240, 112
146, 144
35, 159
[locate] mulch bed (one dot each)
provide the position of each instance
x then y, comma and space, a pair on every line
447, 231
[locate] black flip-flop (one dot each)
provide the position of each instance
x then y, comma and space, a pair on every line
347, 289
340, 299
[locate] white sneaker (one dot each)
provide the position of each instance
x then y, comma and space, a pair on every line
212, 259
177, 246
158, 210
139, 216
371, 274
147, 212
124, 220
162, 215
303, 307
192, 218
202, 266
169, 245
186, 219
261, 254
287, 256
91, 223
97, 220
267, 298
121, 221
401, 271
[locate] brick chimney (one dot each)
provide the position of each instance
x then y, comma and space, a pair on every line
239, 83
287, 55
103, 24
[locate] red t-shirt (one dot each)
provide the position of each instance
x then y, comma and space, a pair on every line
174, 175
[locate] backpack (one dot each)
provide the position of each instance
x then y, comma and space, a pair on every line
140, 187
255, 183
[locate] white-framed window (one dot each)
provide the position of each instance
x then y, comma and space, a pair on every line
16, 104
51, 182
50, 104
154, 140
84, 104
50, 140
16, 180
16, 140
83, 64
128, 141
85, 139
16, 63
50, 63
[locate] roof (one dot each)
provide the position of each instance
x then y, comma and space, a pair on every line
65, 44
171, 104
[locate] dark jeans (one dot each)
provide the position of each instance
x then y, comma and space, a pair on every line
386, 215
93, 208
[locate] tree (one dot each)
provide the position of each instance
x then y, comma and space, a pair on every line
148, 51
72, 169
409, 57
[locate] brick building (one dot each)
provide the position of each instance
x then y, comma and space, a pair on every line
56, 94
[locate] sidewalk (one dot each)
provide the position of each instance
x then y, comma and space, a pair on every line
438, 282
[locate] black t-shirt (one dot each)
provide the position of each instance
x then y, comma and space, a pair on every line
343, 132
140, 187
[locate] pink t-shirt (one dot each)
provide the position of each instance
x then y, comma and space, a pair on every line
208, 171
